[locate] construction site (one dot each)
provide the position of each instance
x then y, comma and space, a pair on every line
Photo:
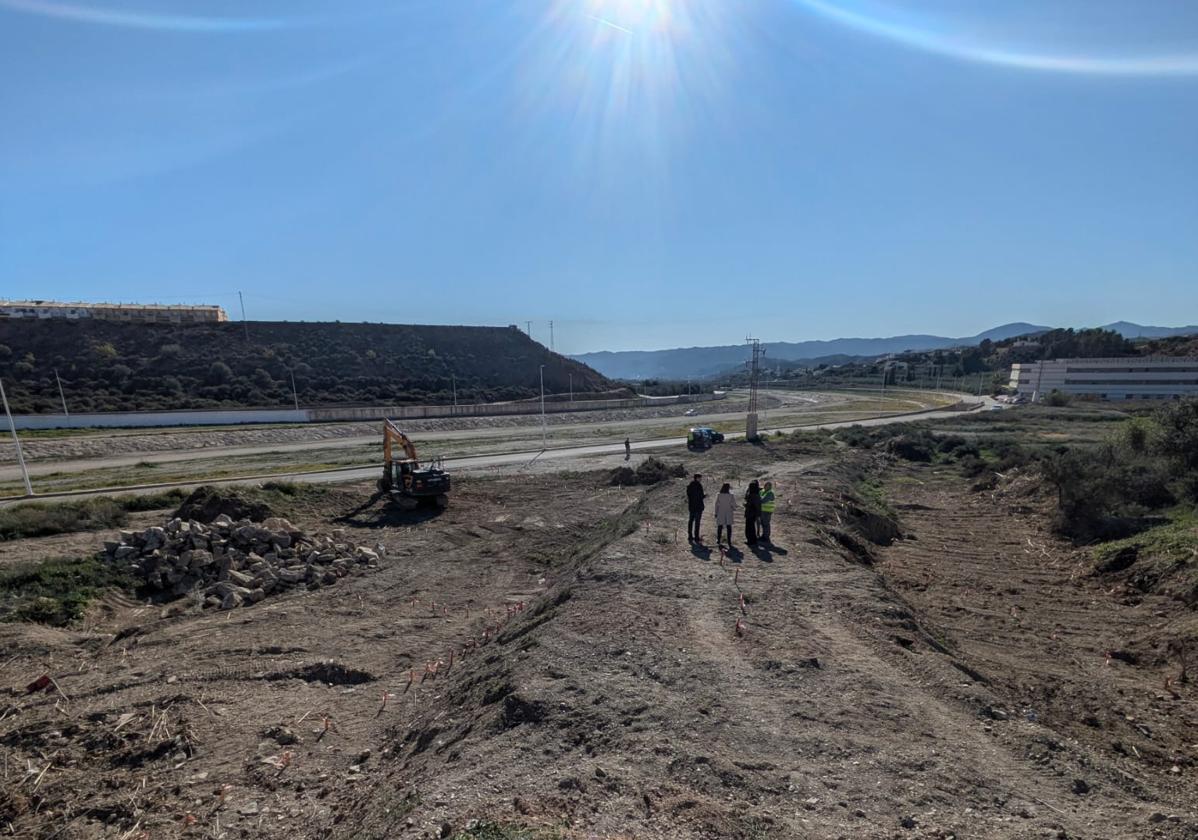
536, 650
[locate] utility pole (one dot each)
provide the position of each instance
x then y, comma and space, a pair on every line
571, 387
528, 328
550, 335
454, 379
16, 440
294, 393
61, 395
544, 431
244, 323
754, 376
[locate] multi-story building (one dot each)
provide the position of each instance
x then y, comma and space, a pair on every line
1134, 378
127, 312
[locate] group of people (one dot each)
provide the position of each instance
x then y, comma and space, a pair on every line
759, 506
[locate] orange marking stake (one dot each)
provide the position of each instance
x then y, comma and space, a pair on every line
449, 667
736, 580
744, 610
740, 627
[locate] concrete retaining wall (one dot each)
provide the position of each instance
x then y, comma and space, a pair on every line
220, 417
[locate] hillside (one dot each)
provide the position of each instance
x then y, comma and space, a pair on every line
713, 361
718, 361
108, 366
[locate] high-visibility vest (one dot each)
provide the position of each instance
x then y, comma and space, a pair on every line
767, 501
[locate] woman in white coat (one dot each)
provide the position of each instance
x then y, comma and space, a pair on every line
725, 504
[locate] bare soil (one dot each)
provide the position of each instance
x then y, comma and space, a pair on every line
610, 680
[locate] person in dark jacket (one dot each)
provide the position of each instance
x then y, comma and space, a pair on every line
694, 503
752, 511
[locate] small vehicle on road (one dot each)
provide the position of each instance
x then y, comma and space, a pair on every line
690, 412
703, 437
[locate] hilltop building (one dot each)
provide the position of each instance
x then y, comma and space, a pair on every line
145, 313
1134, 378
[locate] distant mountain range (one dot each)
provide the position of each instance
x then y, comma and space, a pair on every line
700, 362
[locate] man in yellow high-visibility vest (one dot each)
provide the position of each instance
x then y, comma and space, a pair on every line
768, 502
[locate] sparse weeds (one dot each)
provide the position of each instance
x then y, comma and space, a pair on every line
56, 592
43, 519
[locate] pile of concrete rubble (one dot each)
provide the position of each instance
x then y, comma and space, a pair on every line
230, 563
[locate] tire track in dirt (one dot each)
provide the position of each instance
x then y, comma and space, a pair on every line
632, 708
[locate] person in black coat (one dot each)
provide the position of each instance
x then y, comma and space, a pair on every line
694, 504
752, 512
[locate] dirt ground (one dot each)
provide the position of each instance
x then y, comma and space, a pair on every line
609, 680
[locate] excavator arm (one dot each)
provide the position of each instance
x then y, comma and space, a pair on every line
392, 434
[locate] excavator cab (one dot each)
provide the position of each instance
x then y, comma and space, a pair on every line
408, 483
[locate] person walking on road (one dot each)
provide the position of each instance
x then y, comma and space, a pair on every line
627, 449
768, 501
694, 504
725, 504
752, 511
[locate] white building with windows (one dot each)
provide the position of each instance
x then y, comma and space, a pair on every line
128, 312
1133, 378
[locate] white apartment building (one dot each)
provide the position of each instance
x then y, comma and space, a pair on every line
1134, 378
129, 312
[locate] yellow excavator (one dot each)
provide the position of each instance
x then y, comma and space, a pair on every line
409, 484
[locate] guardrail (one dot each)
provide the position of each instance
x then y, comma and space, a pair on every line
331, 414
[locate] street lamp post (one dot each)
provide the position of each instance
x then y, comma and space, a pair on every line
16, 440
544, 431
571, 387
455, 389
62, 396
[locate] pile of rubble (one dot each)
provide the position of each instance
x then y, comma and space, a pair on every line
229, 564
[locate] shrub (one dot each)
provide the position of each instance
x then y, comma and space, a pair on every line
650, 471
219, 374
1057, 399
912, 447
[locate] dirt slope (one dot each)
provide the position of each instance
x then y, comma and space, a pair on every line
632, 708
605, 691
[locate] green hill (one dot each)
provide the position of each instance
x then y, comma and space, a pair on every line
106, 366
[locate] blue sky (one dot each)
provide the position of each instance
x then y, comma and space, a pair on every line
646, 173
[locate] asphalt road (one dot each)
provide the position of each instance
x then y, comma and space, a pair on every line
479, 462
